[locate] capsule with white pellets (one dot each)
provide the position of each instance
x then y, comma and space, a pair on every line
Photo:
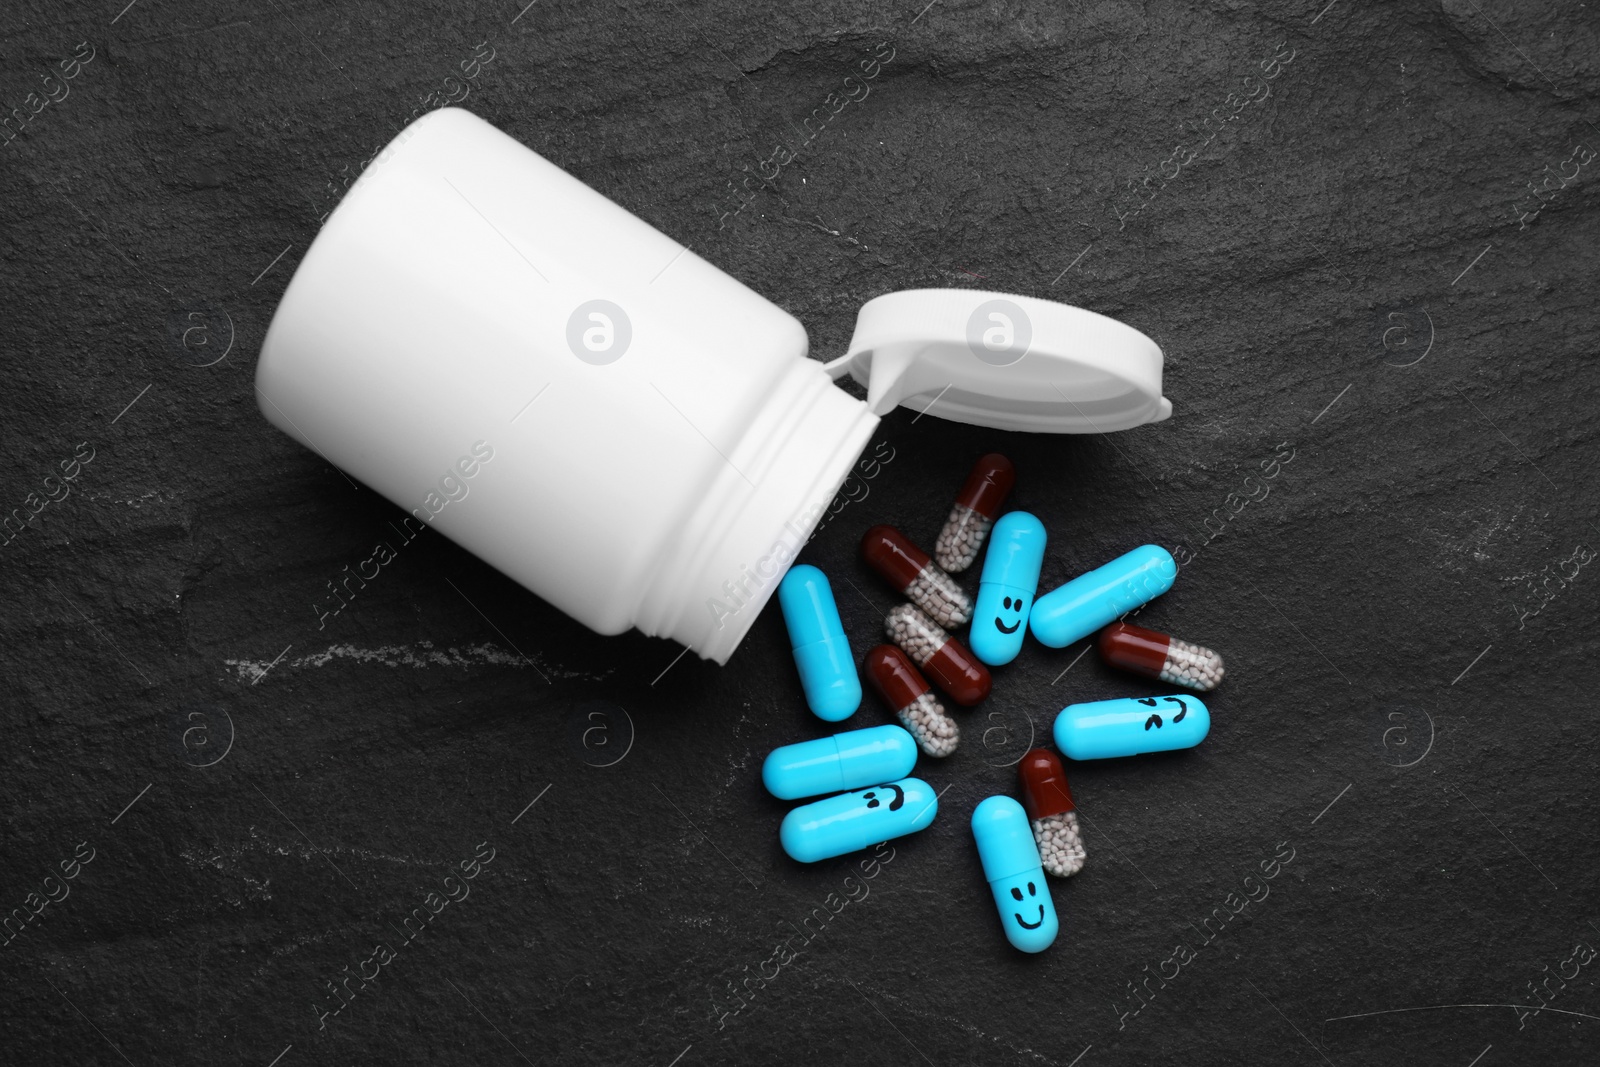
945, 660
905, 690
908, 568
974, 512
1054, 816
1162, 656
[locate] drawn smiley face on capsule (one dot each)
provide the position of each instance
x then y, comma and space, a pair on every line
890, 794
1010, 860
1024, 900
1020, 610
846, 822
1005, 591
1129, 726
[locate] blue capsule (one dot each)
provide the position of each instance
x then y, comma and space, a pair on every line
852, 821
849, 760
1100, 597
1011, 864
821, 650
1006, 589
1130, 726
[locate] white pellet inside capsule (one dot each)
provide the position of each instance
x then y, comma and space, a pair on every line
1060, 842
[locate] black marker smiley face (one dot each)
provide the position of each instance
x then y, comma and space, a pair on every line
1033, 891
1010, 604
1155, 720
871, 797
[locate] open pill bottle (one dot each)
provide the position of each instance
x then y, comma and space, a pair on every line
605, 417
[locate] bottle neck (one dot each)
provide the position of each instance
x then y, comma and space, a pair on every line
757, 513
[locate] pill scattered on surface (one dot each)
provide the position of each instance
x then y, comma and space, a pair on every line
976, 508
1158, 655
852, 821
1052, 813
821, 650
848, 760
904, 689
1011, 864
1006, 589
944, 659
1090, 601
1130, 726
908, 568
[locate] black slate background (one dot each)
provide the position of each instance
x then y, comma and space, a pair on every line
1395, 711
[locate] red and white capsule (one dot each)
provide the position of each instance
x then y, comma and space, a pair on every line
1051, 812
908, 568
904, 689
944, 659
1158, 655
974, 512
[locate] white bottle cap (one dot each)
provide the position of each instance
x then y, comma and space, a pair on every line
1010, 362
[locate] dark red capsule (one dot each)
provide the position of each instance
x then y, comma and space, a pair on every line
1133, 648
1158, 655
894, 677
905, 690
908, 568
988, 485
891, 554
958, 672
974, 512
1044, 784
946, 661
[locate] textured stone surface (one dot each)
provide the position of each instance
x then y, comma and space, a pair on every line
1349, 268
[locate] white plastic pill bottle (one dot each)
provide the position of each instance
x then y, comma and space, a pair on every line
604, 416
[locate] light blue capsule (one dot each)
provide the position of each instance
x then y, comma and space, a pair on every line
1011, 864
852, 821
1130, 726
849, 760
1100, 597
1006, 589
821, 650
